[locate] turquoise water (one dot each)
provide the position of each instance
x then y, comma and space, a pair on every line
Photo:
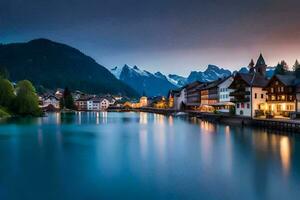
144, 156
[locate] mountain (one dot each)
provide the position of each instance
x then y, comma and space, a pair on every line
212, 73
143, 81
53, 65
177, 80
159, 84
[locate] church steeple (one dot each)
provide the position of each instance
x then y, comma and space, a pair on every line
261, 66
260, 61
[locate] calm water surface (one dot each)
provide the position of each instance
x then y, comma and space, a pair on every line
144, 156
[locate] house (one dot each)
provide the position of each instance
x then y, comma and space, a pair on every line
143, 101
97, 104
158, 102
171, 95
81, 103
225, 104
110, 98
249, 95
59, 93
281, 95
50, 103
209, 96
193, 95
298, 98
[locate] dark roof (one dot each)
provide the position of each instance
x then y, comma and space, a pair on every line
260, 61
254, 80
213, 84
193, 84
288, 80
84, 98
50, 96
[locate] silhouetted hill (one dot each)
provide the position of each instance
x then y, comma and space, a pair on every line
54, 65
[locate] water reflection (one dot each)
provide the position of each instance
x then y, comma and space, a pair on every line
143, 118
285, 153
161, 157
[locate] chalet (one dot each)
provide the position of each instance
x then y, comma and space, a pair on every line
193, 98
281, 95
248, 95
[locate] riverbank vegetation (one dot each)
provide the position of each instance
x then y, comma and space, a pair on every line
18, 100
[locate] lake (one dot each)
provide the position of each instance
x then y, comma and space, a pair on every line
109, 155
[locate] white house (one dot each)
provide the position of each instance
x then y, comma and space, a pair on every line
50, 100
97, 104
224, 104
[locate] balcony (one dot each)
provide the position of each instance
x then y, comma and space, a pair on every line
241, 100
239, 93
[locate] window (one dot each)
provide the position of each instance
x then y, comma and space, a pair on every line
242, 105
282, 89
272, 90
248, 105
262, 96
238, 105
276, 83
255, 95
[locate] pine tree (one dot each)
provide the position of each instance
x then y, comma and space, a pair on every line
280, 69
296, 65
67, 100
285, 65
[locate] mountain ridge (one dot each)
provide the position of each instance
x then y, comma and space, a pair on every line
53, 65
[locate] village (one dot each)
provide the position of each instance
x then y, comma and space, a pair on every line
251, 95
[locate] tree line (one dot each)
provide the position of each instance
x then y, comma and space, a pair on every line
20, 99
282, 68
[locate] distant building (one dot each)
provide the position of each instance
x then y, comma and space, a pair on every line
49, 103
97, 104
59, 93
193, 97
81, 103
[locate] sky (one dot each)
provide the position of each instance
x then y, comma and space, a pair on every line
171, 36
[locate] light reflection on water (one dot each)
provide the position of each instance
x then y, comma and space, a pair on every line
142, 155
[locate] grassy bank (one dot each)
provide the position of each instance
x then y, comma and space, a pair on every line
3, 113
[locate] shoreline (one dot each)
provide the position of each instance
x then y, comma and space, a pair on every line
272, 124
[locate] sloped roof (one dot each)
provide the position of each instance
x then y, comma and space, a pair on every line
254, 80
287, 80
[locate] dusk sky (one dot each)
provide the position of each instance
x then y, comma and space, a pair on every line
172, 36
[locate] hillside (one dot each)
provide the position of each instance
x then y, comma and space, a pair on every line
53, 65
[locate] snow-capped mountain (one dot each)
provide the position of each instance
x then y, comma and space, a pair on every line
212, 73
143, 81
159, 84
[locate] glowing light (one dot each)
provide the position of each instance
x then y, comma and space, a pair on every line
285, 152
